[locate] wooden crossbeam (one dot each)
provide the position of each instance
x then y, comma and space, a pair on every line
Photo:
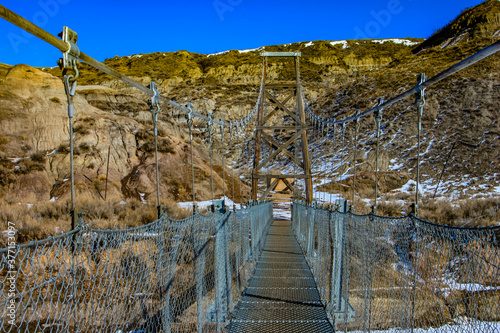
275, 100
270, 188
272, 113
280, 176
279, 149
285, 152
287, 183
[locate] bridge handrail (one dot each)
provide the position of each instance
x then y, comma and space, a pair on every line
149, 277
374, 272
411, 215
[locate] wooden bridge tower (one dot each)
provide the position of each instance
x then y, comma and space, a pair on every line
285, 137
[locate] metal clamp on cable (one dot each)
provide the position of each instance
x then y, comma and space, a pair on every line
70, 89
154, 103
210, 124
379, 112
222, 129
70, 61
420, 99
356, 121
190, 120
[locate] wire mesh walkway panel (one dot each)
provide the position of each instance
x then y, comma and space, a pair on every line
281, 295
168, 276
403, 273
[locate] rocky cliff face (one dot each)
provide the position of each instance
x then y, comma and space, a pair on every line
35, 142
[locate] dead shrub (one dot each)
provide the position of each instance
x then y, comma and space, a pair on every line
391, 209
469, 213
164, 146
29, 229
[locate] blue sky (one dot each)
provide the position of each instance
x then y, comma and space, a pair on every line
123, 27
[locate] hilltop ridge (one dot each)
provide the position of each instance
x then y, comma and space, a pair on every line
481, 22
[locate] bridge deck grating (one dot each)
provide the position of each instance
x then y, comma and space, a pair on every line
282, 295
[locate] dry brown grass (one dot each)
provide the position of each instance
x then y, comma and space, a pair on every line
44, 219
392, 209
461, 213
469, 213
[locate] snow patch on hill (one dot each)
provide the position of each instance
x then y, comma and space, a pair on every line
343, 42
406, 42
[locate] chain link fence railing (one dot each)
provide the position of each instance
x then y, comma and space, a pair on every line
384, 274
167, 276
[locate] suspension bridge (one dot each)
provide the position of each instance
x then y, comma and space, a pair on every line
239, 270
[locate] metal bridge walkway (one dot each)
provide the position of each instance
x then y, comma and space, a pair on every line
282, 294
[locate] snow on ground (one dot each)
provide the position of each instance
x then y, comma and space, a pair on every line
216, 54
204, 205
454, 285
394, 165
249, 50
325, 197
343, 42
309, 44
396, 41
282, 210
410, 186
240, 51
461, 325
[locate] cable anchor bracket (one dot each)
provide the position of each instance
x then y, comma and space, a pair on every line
70, 61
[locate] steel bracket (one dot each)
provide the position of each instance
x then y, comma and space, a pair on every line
70, 57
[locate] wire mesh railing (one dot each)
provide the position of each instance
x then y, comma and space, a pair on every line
383, 274
167, 276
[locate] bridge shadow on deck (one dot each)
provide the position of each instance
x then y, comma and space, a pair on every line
282, 295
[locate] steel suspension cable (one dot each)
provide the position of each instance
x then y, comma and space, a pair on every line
356, 126
210, 141
223, 153
190, 125
155, 110
232, 169
378, 122
342, 130
331, 171
420, 102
